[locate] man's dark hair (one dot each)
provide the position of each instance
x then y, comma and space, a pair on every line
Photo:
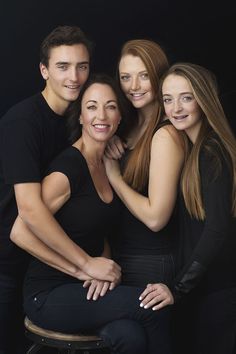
63, 35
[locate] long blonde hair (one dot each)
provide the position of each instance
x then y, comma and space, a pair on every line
214, 127
136, 171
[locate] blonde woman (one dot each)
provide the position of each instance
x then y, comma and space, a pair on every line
207, 213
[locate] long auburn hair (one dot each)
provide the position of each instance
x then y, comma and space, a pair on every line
136, 171
214, 129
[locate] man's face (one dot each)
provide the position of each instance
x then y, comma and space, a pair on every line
67, 71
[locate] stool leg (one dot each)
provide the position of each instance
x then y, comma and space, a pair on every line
34, 348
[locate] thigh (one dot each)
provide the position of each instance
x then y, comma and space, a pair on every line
65, 308
125, 336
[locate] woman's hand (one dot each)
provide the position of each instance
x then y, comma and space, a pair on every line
115, 148
112, 169
156, 296
97, 288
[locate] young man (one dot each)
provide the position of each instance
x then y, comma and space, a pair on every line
31, 134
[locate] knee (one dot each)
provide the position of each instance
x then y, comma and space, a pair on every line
125, 336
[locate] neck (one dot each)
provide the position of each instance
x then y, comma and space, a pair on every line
145, 113
55, 106
93, 152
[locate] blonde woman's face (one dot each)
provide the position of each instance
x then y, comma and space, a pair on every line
181, 106
135, 81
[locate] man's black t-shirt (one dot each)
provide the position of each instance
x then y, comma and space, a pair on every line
31, 135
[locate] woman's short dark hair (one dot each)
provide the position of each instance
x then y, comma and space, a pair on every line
74, 110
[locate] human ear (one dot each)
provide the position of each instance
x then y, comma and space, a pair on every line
44, 71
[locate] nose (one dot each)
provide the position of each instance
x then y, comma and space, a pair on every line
101, 113
135, 84
74, 74
177, 105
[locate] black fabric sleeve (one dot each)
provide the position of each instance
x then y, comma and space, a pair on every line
216, 193
21, 146
71, 164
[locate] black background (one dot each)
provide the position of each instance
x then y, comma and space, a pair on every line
202, 32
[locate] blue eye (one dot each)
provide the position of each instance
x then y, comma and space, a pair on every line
124, 77
166, 100
144, 76
187, 98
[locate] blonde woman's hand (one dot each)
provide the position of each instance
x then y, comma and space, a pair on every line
156, 296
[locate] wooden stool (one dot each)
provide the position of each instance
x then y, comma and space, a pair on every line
65, 343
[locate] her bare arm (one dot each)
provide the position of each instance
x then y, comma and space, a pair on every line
165, 166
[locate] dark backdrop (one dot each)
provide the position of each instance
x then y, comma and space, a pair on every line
198, 31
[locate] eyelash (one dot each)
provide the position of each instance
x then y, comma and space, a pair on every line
183, 99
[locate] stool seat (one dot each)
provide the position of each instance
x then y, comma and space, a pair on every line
71, 342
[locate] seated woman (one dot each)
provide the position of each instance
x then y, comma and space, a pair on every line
77, 190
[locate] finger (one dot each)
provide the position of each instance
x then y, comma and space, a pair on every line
87, 283
161, 305
150, 288
120, 146
112, 285
104, 289
98, 290
114, 151
91, 290
150, 303
152, 298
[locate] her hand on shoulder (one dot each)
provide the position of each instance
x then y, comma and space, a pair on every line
112, 168
115, 148
156, 296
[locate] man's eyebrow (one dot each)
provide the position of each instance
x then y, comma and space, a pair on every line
62, 63
67, 63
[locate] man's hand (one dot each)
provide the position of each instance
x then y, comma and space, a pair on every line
102, 269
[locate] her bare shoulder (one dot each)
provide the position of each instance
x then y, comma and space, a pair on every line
169, 133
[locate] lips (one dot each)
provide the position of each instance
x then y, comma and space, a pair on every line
137, 95
101, 127
179, 118
73, 87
